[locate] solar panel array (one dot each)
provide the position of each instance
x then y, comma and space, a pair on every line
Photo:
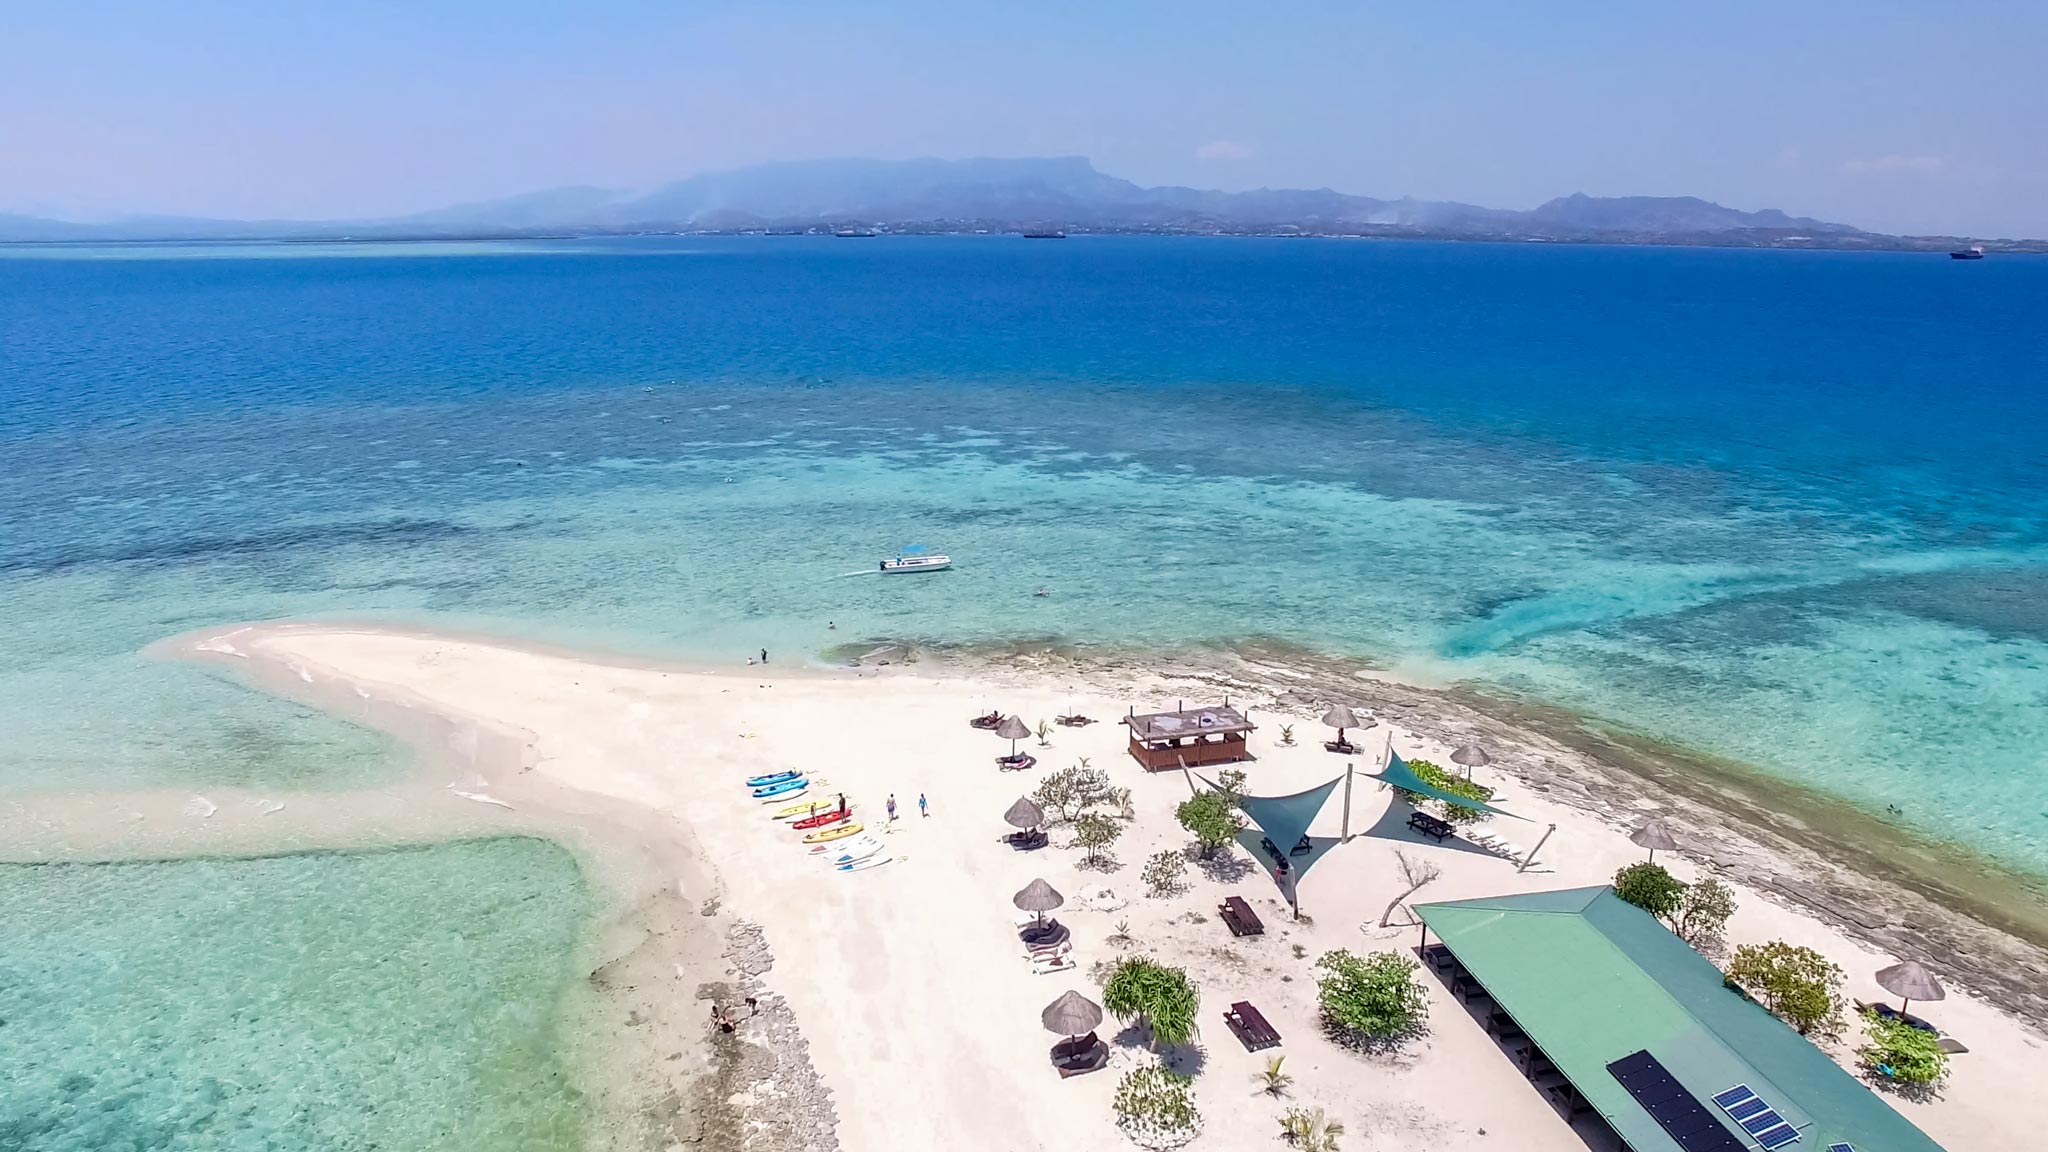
1684, 1118
1844, 1146
1757, 1117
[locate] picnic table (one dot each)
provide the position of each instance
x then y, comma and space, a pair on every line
1239, 917
1250, 1027
1429, 825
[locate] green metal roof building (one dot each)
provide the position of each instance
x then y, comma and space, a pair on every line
1594, 980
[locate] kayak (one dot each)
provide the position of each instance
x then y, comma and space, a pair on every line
870, 862
773, 778
821, 819
778, 789
792, 794
806, 808
824, 834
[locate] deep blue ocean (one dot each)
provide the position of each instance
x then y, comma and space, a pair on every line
1789, 508
1786, 508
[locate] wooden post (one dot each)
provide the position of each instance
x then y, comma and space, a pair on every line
1346, 837
1531, 857
1422, 945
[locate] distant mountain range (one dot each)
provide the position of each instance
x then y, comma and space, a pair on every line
1064, 193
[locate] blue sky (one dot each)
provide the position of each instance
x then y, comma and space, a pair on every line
1921, 117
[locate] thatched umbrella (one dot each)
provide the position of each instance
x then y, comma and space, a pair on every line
1039, 897
1024, 814
1910, 980
1654, 834
1471, 756
1341, 717
1013, 730
1071, 1015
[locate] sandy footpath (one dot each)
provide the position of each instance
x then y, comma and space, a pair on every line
907, 981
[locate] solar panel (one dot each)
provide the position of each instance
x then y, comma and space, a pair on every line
1735, 1095
1844, 1146
1672, 1105
1762, 1121
1748, 1108
1777, 1137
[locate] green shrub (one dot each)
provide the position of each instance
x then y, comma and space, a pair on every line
1212, 818
1164, 872
1902, 1053
1703, 911
1798, 985
1067, 792
1372, 998
1450, 782
1160, 998
1650, 887
1094, 833
1309, 1130
1155, 1107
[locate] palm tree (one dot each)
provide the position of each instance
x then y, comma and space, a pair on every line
1310, 1130
1273, 1082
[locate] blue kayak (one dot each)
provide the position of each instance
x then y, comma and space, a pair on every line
772, 778
779, 789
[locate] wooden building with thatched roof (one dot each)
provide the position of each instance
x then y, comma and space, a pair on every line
1190, 737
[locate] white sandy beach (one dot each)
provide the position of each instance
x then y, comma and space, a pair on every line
907, 980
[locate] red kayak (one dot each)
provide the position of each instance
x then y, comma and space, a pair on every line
822, 819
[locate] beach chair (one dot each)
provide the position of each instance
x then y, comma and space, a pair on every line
1302, 847
1051, 964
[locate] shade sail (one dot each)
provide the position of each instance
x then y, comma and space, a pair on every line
1403, 777
1285, 819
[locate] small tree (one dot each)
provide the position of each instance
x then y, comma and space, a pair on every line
1165, 872
1044, 734
1309, 1130
1372, 998
1155, 1107
1230, 785
1703, 912
1650, 887
1801, 986
1287, 735
1160, 999
1067, 792
1416, 873
1901, 1053
1212, 818
1450, 782
1093, 834
1273, 1080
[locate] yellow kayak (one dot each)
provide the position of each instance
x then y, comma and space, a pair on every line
833, 833
803, 808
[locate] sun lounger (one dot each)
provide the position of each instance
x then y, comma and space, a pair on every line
1302, 847
1250, 1027
1017, 763
1028, 841
1051, 964
1239, 917
1035, 953
1345, 747
988, 721
1075, 721
1429, 825
1891, 1013
1079, 1054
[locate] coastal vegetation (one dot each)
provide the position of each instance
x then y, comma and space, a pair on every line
1370, 999
1165, 872
1155, 1107
1160, 999
1273, 1079
1211, 818
1309, 1130
1067, 792
1704, 909
1094, 833
1651, 888
1445, 781
1797, 984
1901, 1054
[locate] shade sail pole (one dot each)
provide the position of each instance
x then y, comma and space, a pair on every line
1346, 837
1531, 857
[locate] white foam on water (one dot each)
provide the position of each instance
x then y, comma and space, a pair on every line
201, 807
481, 798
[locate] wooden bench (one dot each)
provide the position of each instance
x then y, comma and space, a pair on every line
1239, 917
1429, 825
1250, 1028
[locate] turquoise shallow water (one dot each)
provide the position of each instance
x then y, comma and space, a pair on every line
393, 1000
1789, 508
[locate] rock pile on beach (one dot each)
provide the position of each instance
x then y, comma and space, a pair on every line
763, 1094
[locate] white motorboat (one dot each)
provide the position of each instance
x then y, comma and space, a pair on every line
917, 560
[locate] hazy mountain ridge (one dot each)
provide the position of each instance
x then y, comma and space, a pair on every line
1006, 195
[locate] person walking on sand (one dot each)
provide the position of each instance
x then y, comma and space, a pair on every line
921, 809
892, 807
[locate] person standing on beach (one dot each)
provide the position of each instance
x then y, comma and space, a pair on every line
892, 807
921, 809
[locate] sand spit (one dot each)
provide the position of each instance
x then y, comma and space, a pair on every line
919, 1013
